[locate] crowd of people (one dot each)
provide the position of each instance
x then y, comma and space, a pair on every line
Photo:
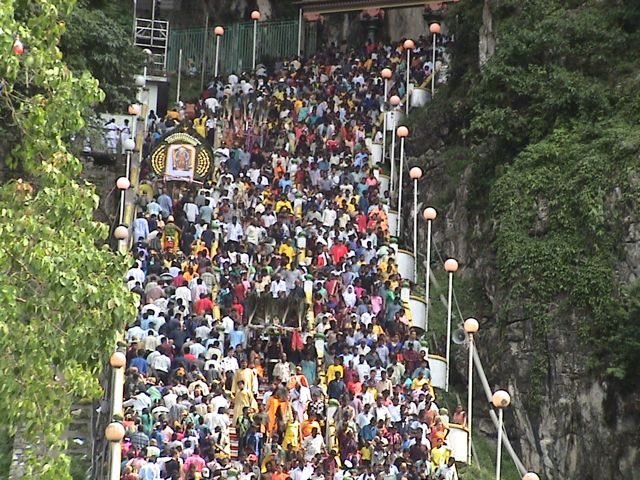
272, 341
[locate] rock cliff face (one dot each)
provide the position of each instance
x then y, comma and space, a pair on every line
583, 427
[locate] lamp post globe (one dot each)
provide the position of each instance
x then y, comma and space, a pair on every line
123, 183
121, 232
471, 325
415, 173
134, 109
530, 476
114, 432
501, 399
219, 31
451, 265
118, 360
435, 28
140, 81
429, 213
255, 15
129, 144
403, 132
18, 47
386, 73
409, 44
395, 100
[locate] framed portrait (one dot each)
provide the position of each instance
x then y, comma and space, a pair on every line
181, 161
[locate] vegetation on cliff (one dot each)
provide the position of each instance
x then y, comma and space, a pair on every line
550, 128
62, 296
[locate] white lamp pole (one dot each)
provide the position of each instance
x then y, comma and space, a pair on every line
255, 16
471, 326
450, 266
123, 185
408, 46
402, 132
386, 75
429, 214
394, 101
435, 29
115, 431
415, 173
500, 400
300, 20
219, 31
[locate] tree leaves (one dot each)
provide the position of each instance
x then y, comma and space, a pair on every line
55, 284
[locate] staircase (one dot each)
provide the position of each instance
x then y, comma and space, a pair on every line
233, 434
79, 436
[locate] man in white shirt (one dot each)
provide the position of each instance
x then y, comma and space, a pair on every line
150, 470
448, 471
254, 233
381, 411
136, 272
282, 370
212, 105
184, 293
159, 363
312, 445
329, 216
234, 231
277, 286
229, 363
191, 210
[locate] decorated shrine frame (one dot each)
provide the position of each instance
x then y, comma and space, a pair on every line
182, 155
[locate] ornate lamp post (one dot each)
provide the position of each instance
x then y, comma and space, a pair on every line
471, 326
415, 173
394, 101
429, 214
115, 431
123, 185
255, 16
450, 266
386, 74
219, 32
500, 400
129, 146
403, 132
434, 28
408, 46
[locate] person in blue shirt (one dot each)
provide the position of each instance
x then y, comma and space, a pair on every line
285, 183
369, 432
237, 336
140, 362
336, 387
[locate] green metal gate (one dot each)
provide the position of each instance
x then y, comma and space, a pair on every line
276, 40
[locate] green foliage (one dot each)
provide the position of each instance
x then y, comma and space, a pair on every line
96, 42
62, 296
550, 129
62, 304
40, 94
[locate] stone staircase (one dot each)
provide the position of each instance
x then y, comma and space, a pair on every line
233, 434
80, 440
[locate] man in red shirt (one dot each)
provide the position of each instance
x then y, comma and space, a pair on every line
203, 304
338, 251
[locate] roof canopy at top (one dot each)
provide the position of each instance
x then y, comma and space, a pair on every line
337, 6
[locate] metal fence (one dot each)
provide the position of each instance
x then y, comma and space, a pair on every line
276, 40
